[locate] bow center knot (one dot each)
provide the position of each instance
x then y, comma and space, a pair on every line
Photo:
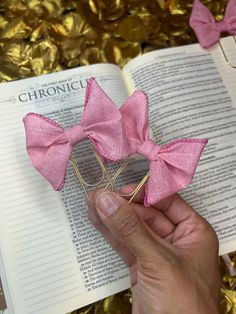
149, 149
75, 134
221, 26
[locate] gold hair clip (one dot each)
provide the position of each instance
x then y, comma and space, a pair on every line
85, 185
116, 175
225, 54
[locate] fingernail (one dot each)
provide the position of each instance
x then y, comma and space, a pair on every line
107, 204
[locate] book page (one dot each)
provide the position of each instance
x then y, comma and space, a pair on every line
52, 259
192, 94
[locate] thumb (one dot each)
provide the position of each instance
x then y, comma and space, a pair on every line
121, 219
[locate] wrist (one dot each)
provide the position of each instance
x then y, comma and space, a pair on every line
206, 298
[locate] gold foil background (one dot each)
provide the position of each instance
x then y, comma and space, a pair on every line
44, 36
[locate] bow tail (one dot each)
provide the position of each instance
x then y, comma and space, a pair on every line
51, 163
164, 181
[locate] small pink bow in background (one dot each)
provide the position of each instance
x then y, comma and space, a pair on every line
50, 146
206, 28
172, 166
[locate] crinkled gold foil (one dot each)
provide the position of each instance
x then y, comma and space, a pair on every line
120, 303
50, 35
43, 36
109, 10
228, 291
44, 57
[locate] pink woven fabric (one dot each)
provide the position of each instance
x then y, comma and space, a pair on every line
49, 145
172, 166
206, 28
116, 134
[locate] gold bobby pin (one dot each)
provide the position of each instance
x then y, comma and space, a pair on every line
138, 187
116, 175
225, 55
83, 183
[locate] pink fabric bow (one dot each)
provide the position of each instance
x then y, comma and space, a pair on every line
50, 146
206, 28
173, 165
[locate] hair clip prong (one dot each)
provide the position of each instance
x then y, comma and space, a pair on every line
139, 186
116, 175
225, 55
83, 183
76, 169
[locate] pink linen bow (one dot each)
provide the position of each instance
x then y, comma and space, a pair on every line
50, 146
172, 166
206, 28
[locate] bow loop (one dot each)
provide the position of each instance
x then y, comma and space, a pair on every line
75, 134
102, 123
48, 148
230, 16
135, 120
149, 149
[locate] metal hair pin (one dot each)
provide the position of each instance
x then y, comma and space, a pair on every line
225, 55
85, 185
116, 175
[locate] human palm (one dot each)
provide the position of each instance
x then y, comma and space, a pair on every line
171, 252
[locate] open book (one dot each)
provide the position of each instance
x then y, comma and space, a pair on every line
51, 259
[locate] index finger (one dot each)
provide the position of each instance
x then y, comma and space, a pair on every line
175, 208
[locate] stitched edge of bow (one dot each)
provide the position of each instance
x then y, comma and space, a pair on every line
62, 183
44, 118
102, 155
88, 90
185, 140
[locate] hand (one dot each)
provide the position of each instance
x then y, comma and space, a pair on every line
171, 251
